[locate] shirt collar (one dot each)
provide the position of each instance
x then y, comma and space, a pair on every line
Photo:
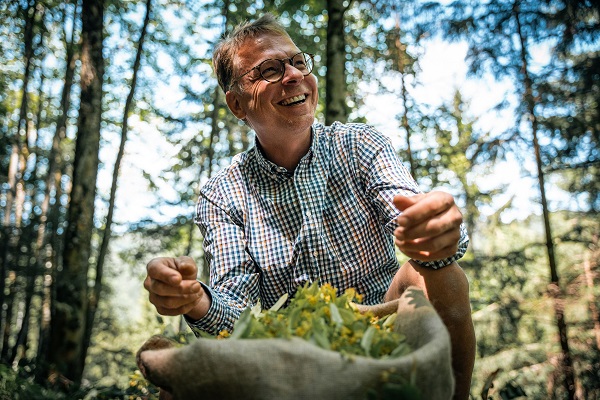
275, 170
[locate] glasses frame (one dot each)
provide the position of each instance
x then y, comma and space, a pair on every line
283, 62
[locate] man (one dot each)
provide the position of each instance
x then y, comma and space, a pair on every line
308, 203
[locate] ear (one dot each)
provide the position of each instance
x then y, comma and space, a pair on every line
234, 104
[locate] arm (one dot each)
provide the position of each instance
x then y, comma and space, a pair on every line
234, 275
174, 290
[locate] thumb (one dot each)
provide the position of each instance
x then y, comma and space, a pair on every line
186, 267
403, 202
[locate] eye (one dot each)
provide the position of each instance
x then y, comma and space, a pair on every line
300, 62
270, 69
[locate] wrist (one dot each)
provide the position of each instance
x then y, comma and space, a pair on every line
200, 308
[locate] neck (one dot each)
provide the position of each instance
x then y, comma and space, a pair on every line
288, 152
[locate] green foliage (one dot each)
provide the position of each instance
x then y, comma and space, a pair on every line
318, 315
15, 387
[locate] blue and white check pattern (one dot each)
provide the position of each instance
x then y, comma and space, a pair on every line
268, 231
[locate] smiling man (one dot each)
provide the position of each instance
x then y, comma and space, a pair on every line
311, 203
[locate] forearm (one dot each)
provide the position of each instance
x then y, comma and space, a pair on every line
447, 289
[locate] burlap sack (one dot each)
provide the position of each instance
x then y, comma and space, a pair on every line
295, 369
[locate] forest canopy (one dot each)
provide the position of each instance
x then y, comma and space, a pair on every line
111, 119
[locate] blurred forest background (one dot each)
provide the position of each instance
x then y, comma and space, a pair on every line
111, 118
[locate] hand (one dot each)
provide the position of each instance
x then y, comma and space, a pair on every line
174, 289
429, 226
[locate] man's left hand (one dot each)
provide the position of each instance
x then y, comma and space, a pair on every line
429, 226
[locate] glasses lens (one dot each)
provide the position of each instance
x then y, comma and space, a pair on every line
303, 62
271, 70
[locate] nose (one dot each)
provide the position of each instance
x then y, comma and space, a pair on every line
291, 74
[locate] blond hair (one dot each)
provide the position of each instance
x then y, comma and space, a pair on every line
228, 47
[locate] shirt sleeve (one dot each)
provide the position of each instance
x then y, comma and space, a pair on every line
233, 274
385, 176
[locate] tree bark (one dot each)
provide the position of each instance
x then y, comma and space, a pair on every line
591, 298
554, 288
15, 194
97, 289
336, 108
401, 65
69, 320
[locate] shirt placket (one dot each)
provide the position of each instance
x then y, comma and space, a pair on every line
309, 187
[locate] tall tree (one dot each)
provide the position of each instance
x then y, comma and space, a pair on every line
336, 108
500, 34
69, 319
96, 290
52, 180
31, 14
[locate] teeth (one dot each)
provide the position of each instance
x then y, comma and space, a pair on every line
293, 100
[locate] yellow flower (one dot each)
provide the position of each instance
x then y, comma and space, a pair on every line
223, 334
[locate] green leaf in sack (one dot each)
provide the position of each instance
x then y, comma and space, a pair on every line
279, 303
319, 334
367, 340
242, 324
389, 320
401, 350
256, 310
335, 315
347, 316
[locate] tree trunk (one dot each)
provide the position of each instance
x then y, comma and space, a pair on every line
97, 289
8, 304
336, 108
401, 65
55, 158
214, 133
21, 343
591, 298
554, 288
15, 194
69, 320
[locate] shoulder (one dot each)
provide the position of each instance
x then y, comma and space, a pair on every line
228, 184
353, 137
349, 131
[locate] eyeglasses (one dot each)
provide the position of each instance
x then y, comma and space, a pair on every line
273, 70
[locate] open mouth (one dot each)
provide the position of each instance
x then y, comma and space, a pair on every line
293, 100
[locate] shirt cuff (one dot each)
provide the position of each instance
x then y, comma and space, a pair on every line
462, 249
210, 322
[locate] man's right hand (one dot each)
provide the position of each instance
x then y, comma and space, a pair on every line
174, 289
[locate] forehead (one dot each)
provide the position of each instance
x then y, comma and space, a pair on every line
256, 49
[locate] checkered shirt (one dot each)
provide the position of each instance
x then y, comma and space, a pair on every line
268, 231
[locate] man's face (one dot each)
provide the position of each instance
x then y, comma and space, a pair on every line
274, 110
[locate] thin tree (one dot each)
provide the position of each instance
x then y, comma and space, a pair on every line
15, 197
336, 108
499, 33
70, 317
95, 291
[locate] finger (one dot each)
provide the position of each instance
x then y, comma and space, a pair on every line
186, 287
439, 224
164, 270
425, 207
172, 302
431, 245
172, 307
403, 202
186, 267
